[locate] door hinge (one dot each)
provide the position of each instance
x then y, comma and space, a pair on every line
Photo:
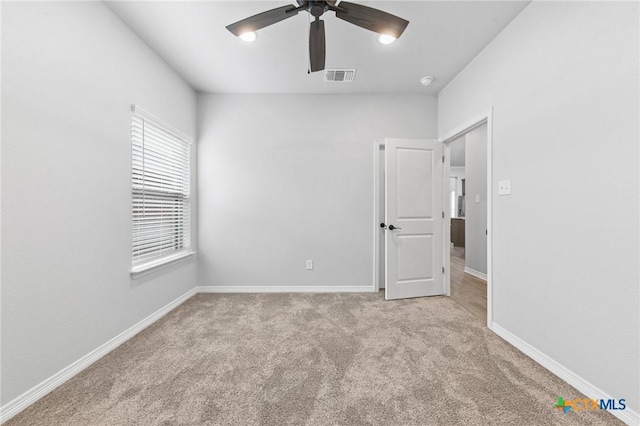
443, 269
443, 158
443, 215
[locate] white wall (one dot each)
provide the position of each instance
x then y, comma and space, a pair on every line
286, 178
69, 74
563, 81
475, 251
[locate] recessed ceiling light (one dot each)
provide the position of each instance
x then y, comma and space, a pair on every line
386, 39
249, 36
425, 81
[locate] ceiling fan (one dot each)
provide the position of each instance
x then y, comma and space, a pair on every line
356, 14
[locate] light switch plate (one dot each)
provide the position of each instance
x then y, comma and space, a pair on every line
309, 265
477, 198
504, 187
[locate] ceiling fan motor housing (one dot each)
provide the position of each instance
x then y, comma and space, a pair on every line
314, 7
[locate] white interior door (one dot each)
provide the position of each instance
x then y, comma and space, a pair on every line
414, 218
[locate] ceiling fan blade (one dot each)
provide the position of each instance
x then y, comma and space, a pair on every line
317, 45
371, 19
263, 19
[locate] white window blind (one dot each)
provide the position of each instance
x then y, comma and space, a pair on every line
160, 192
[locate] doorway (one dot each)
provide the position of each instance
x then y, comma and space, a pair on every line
468, 251
468, 222
485, 121
482, 135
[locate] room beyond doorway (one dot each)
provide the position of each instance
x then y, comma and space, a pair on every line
468, 216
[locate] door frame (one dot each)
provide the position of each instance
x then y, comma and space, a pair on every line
466, 127
378, 145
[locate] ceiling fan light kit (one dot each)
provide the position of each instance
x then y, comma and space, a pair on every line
386, 39
249, 36
390, 27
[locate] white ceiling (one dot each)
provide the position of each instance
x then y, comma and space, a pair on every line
442, 37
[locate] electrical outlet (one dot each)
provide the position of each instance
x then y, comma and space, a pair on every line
309, 265
504, 187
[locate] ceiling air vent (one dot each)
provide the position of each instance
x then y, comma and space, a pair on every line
339, 76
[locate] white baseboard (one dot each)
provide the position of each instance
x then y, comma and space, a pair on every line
628, 416
475, 273
21, 402
286, 289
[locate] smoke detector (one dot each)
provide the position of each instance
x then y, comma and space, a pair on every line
339, 75
425, 81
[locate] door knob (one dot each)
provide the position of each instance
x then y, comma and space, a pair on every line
391, 227
383, 226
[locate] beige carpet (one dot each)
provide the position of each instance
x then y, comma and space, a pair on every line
312, 359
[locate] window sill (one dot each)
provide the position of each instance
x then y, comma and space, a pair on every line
151, 267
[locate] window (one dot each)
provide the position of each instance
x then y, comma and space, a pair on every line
160, 192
